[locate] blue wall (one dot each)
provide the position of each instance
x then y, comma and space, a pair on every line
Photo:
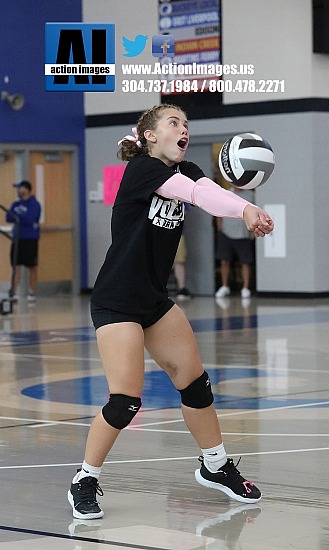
47, 117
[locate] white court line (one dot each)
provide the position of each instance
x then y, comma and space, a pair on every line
234, 433
237, 413
41, 423
159, 423
46, 423
163, 459
275, 435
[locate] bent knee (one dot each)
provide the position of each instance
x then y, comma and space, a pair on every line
198, 394
120, 410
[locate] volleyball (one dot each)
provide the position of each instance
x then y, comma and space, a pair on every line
246, 161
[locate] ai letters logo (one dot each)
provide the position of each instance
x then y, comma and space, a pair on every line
80, 57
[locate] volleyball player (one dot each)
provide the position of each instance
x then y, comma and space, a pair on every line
131, 309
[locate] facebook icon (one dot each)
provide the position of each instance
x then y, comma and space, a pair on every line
163, 45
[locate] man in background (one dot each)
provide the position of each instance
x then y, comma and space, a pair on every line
25, 214
234, 241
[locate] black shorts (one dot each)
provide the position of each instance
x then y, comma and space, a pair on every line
228, 249
27, 252
103, 316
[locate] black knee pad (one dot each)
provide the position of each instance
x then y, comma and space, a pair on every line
120, 410
198, 395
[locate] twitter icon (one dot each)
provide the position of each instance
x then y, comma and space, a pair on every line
134, 47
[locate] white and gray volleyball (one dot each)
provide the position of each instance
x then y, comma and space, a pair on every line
246, 161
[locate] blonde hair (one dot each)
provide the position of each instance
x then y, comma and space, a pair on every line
147, 121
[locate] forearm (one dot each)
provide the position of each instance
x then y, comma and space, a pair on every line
9, 217
204, 193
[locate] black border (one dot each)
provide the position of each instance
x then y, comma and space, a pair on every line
197, 112
288, 294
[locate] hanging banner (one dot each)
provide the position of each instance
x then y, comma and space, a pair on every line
194, 29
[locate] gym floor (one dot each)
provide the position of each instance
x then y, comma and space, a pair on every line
268, 360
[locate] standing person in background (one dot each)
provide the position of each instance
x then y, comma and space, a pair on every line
234, 240
25, 214
183, 294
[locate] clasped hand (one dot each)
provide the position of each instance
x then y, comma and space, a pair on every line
258, 221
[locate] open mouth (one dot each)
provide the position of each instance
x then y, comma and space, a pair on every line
182, 143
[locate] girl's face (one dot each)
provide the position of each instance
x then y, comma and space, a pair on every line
169, 141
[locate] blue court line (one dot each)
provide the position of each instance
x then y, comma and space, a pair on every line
260, 321
217, 324
160, 393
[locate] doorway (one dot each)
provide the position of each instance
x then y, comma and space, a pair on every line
53, 175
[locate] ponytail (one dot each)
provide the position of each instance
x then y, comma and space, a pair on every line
132, 146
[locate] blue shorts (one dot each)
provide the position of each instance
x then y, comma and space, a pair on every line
103, 316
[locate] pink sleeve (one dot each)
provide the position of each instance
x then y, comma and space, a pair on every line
204, 193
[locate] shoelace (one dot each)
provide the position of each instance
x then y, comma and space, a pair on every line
236, 477
233, 468
88, 491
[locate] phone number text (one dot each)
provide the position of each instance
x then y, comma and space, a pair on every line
209, 85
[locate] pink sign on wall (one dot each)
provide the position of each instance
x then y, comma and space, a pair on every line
112, 176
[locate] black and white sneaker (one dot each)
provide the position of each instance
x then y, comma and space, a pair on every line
229, 480
82, 497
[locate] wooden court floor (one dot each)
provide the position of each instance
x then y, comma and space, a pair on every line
268, 361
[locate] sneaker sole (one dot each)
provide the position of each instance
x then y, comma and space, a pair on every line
77, 514
223, 488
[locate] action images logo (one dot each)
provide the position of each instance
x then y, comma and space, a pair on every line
80, 57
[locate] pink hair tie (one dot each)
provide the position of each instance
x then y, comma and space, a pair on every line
132, 138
